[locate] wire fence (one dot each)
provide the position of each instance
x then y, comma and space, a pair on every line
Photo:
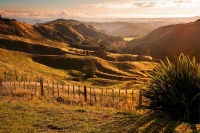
74, 93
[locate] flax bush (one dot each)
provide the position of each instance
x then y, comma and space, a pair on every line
175, 89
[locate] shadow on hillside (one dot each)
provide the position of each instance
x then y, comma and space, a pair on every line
147, 124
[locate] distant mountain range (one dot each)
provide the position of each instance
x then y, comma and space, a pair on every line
129, 29
68, 31
169, 41
163, 41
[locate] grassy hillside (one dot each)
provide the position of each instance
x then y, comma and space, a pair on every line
184, 38
19, 29
155, 34
68, 67
21, 64
76, 62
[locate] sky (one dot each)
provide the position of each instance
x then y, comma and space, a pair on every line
99, 8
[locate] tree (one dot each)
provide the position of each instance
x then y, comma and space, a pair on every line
89, 68
145, 51
101, 51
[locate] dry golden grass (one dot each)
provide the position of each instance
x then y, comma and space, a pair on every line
68, 93
115, 74
19, 64
20, 112
41, 41
128, 38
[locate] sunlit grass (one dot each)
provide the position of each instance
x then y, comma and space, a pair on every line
23, 65
43, 115
128, 38
21, 111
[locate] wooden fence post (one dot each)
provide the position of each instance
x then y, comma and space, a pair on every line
85, 93
140, 99
14, 85
119, 95
68, 90
53, 88
5, 77
73, 92
29, 85
101, 95
19, 84
63, 88
79, 91
1, 83
58, 90
132, 97
31, 88
42, 87
24, 84
10, 83
95, 98
126, 96
113, 95
35, 87
48, 87
90, 95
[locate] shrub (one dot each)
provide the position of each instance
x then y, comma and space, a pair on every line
175, 89
89, 68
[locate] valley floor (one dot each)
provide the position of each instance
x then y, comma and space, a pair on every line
25, 115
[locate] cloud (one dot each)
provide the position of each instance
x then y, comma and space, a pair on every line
181, 1
166, 3
91, 15
93, 5
54, 14
147, 4
16, 13
110, 5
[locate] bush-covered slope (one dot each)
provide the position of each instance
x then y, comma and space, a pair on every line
182, 39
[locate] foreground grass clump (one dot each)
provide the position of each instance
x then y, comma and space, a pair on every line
175, 89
